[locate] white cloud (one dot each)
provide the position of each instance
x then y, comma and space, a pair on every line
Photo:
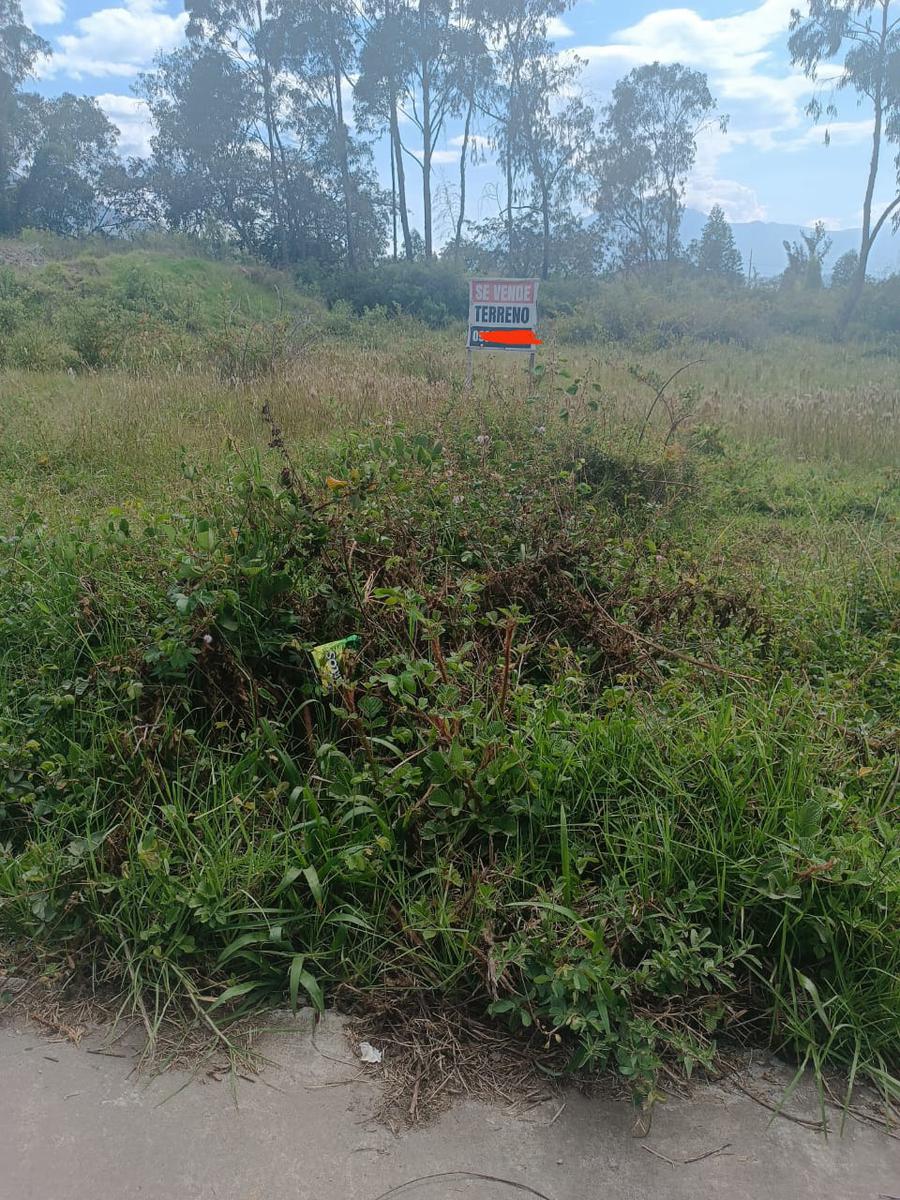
347, 86
117, 41
719, 43
738, 201
832, 224
557, 28
132, 118
43, 12
841, 133
737, 52
707, 188
439, 158
475, 139
745, 57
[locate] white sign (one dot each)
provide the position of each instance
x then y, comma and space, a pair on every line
499, 307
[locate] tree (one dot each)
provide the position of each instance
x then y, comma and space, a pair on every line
647, 147
578, 247
384, 78
441, 52
317, 43
864, 35
806, 259
55, 154
477, 77
204, 165
242, 31
62, 177
519, 36
557, 141
845, 269
251, 137
20, 49
716, 253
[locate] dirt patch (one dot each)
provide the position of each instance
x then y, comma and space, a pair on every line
430, 1061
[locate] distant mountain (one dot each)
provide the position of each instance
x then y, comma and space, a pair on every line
764, 241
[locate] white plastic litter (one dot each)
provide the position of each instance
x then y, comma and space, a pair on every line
369, 1054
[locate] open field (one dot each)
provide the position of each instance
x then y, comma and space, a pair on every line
618, 764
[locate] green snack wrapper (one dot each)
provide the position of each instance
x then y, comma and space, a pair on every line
333, 661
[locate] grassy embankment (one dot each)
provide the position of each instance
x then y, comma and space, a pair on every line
619, 759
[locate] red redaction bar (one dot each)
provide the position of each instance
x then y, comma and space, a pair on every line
510, 337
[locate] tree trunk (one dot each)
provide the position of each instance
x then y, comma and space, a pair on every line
397, 150
343, 154
271, 133
510, 226
855, 291
545, 213
393, 201
426, 126
460, 220
7, 114
514, 33
277, 205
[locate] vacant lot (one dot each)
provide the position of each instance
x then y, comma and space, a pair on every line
617, 760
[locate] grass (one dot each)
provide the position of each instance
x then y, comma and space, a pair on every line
617, 765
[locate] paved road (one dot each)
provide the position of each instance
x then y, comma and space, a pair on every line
81, 1126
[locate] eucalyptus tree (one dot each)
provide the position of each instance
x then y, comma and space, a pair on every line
20, 50
646, 149
442, 53
317, 45
862, 38
242, 30
476, 80
55, 153
62, 172
250, 130
204, 164
383, 83
556, 133
520, 43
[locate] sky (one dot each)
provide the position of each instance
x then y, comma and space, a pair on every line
771, 164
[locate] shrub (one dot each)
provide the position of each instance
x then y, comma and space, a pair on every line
580, 776
434, 293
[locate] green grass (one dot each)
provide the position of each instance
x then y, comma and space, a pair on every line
618, 762
144, 310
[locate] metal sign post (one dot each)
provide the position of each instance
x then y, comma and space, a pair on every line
502, 316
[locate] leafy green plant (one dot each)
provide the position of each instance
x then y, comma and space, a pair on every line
613, 760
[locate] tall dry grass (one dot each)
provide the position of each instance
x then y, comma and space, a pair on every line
117, 435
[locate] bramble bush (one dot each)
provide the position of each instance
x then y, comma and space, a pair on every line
583, 778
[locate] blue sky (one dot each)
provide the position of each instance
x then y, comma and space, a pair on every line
770, 165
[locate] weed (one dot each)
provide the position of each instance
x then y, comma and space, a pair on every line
616, 762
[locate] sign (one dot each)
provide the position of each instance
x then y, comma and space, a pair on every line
499, 307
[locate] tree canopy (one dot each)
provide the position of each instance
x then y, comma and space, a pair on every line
716, 253
268, 121
57, 156
863, 38
646, 149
